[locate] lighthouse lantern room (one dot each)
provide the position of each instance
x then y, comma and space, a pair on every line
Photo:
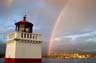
24, 26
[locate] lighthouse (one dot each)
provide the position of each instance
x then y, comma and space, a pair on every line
23, 46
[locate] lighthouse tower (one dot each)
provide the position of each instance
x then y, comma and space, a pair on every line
22, 45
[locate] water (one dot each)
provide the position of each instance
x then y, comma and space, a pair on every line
90, 60
1, 60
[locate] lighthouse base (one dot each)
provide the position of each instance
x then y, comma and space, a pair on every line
23, 60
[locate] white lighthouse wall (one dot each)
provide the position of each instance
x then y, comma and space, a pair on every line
19, 46
27, 50
10, 49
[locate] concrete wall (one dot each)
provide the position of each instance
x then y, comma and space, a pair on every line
28, 50
10, 49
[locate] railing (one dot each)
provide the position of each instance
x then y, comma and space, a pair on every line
23, 35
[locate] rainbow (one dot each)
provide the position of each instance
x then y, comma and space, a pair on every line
53, 31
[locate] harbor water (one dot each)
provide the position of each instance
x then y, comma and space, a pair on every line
88, 60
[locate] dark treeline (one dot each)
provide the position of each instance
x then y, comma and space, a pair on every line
2, 55
2, 50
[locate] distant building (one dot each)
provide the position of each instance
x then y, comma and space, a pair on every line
22, 45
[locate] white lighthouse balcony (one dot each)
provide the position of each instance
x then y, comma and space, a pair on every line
23, 36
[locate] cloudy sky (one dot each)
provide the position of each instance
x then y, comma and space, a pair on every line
76, 28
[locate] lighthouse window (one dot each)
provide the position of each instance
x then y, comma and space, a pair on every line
27, 30
22, 28
17, 28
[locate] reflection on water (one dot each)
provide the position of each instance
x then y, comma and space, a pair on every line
91, 60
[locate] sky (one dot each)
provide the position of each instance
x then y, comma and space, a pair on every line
76, 29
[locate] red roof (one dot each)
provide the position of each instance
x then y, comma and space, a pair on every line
24, 21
